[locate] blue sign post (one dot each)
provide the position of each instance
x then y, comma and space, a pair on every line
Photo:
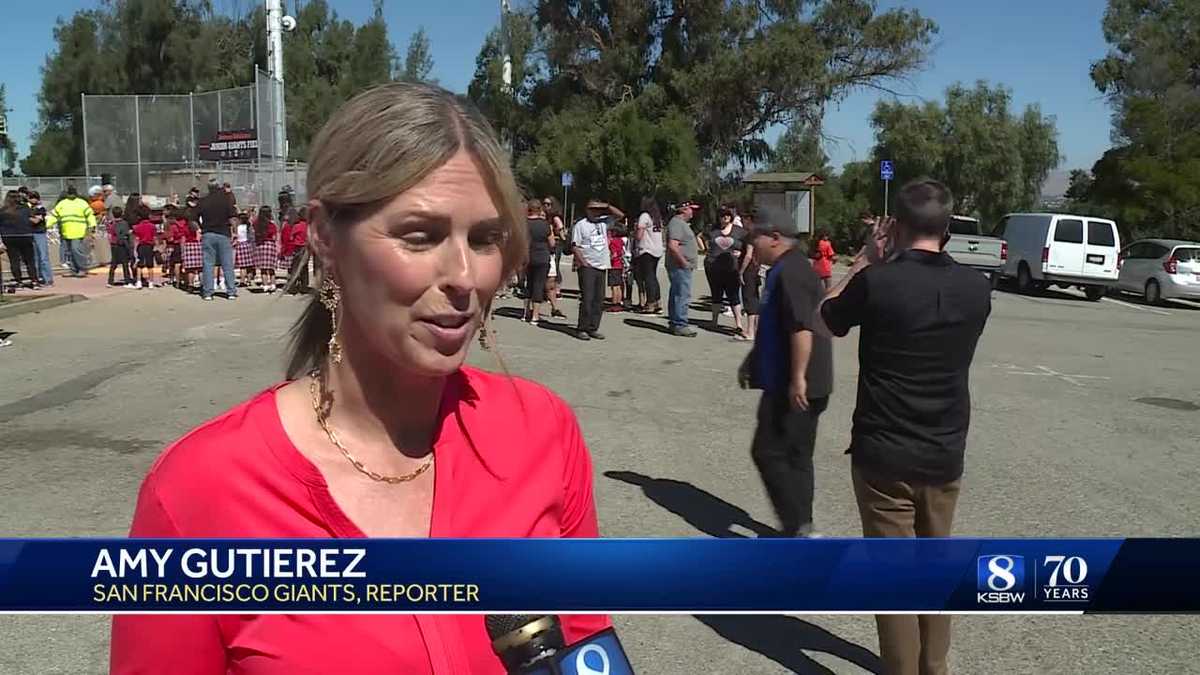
886, 172
568, 179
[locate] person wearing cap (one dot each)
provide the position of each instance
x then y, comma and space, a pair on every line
589, 240
920, 315
682, 252
792, 364
110, 196
96, 201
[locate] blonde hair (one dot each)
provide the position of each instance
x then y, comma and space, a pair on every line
378, 145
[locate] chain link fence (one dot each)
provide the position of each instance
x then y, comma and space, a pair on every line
163, 144
49, 187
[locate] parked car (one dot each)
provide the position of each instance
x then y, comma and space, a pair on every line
1062, 250
1160, 269
969, 246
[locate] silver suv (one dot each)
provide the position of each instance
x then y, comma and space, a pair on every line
1159, 269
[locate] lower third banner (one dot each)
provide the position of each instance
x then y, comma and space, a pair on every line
598, 575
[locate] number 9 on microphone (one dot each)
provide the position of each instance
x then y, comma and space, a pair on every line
600, 654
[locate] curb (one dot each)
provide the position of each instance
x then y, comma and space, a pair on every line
38, 304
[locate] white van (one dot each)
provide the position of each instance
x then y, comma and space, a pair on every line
1063, 250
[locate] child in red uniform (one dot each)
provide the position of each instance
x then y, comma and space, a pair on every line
266, 248
145, 234
616, 273
193, 255
295, 239
822, 258
174, 239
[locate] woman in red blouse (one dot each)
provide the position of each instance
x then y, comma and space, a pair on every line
380, 430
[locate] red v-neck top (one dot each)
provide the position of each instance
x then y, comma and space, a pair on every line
510, 462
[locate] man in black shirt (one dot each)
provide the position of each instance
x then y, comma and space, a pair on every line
793, 366
215, 211
920, 317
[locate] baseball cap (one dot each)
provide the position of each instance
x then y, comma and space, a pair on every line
688, 205
768, 220
597, 204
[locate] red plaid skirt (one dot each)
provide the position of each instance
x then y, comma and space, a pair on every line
193, 255
243, 255
265, 255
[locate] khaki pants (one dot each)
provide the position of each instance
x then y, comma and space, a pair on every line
908, 644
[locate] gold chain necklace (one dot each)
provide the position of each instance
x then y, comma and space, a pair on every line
322, 419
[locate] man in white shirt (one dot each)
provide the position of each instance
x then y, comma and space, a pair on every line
589, 241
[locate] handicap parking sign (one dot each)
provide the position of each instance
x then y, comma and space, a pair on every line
886, 170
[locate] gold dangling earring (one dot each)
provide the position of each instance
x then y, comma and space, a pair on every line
331, 297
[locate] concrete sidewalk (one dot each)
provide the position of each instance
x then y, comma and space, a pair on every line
65, 290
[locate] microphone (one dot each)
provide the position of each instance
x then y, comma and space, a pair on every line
534, 645
524, 643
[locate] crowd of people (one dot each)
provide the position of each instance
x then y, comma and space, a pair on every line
200, 244
920, 317
617, 264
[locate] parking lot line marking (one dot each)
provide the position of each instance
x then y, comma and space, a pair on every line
1043, 371
1139, 307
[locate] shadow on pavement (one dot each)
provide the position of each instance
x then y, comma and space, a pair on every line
1045, 294
564, 328
641, 323
546, 324
1168, 303
517, 313
708, 327
704, 511
1176, 304
784, 640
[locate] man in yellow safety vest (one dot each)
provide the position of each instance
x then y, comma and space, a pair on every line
75, 221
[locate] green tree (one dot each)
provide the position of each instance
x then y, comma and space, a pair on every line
1151, 77
418, 62
622, 154
800, 148
993, 161
730, 68
511, 109
1079, 186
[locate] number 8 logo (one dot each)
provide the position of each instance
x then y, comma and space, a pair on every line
1002, 572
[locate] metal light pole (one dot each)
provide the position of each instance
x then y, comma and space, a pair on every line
506, 47
506, 69
275, 28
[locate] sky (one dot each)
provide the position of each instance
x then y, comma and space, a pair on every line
1040, 49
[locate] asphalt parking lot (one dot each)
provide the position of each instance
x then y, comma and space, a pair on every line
1085, 422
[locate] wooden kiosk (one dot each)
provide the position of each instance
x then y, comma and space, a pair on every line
792, 193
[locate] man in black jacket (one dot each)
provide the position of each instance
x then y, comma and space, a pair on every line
792, 363
920, 317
